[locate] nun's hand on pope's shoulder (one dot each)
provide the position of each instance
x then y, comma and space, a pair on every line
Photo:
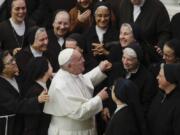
105, 65
43, 97
103, 94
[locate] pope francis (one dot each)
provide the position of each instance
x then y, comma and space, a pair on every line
71, 103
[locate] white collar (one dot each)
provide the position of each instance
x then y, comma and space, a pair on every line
19, 28
13, 82
61, 41
135, 70
1, 2
119, 107
100, 32
128, 75
42, 84
35, 52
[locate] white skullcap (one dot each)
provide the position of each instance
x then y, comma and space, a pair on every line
130, 52
65, 56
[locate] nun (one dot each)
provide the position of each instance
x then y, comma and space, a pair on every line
128, 117
164, 112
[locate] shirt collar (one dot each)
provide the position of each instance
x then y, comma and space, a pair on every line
35, 52
119, 107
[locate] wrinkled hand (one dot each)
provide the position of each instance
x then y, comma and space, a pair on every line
105, 114
16, 50
105, 65
103, 94
82, 17
98, 49
43, 97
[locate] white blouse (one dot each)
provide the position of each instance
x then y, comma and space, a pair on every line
19, 28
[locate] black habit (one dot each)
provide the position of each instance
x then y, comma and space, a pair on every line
13, 103
36, 124
9, 39
54, 49
23, 57
122, 122
153, 20
164, 114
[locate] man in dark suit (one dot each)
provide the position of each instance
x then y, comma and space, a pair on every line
61, 27
54, 5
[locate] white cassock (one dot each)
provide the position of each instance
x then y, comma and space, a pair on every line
71, 104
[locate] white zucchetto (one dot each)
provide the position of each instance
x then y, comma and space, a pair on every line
65, 55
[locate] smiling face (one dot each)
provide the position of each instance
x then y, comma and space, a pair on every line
126, 35
10, 66
61, 24
129, 63
41, 41
18, 11
102, 17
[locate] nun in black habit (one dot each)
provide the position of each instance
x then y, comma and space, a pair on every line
13, 105
164, 112
128, 117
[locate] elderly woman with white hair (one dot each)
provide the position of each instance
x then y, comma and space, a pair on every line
136, 72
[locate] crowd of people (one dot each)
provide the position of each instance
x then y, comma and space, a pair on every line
89, 67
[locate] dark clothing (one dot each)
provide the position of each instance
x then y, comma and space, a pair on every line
76, 25
153, 20
54, 5
12, 102
23, 57
36, 124
164, 114
37, 11
5, 10
146, 86
122, 122
9, 39
54, 49
91, 37
175, 26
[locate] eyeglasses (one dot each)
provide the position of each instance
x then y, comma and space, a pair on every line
11, 61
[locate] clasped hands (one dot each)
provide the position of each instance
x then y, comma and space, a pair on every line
99, 49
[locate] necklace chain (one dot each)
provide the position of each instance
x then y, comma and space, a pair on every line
19, 43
